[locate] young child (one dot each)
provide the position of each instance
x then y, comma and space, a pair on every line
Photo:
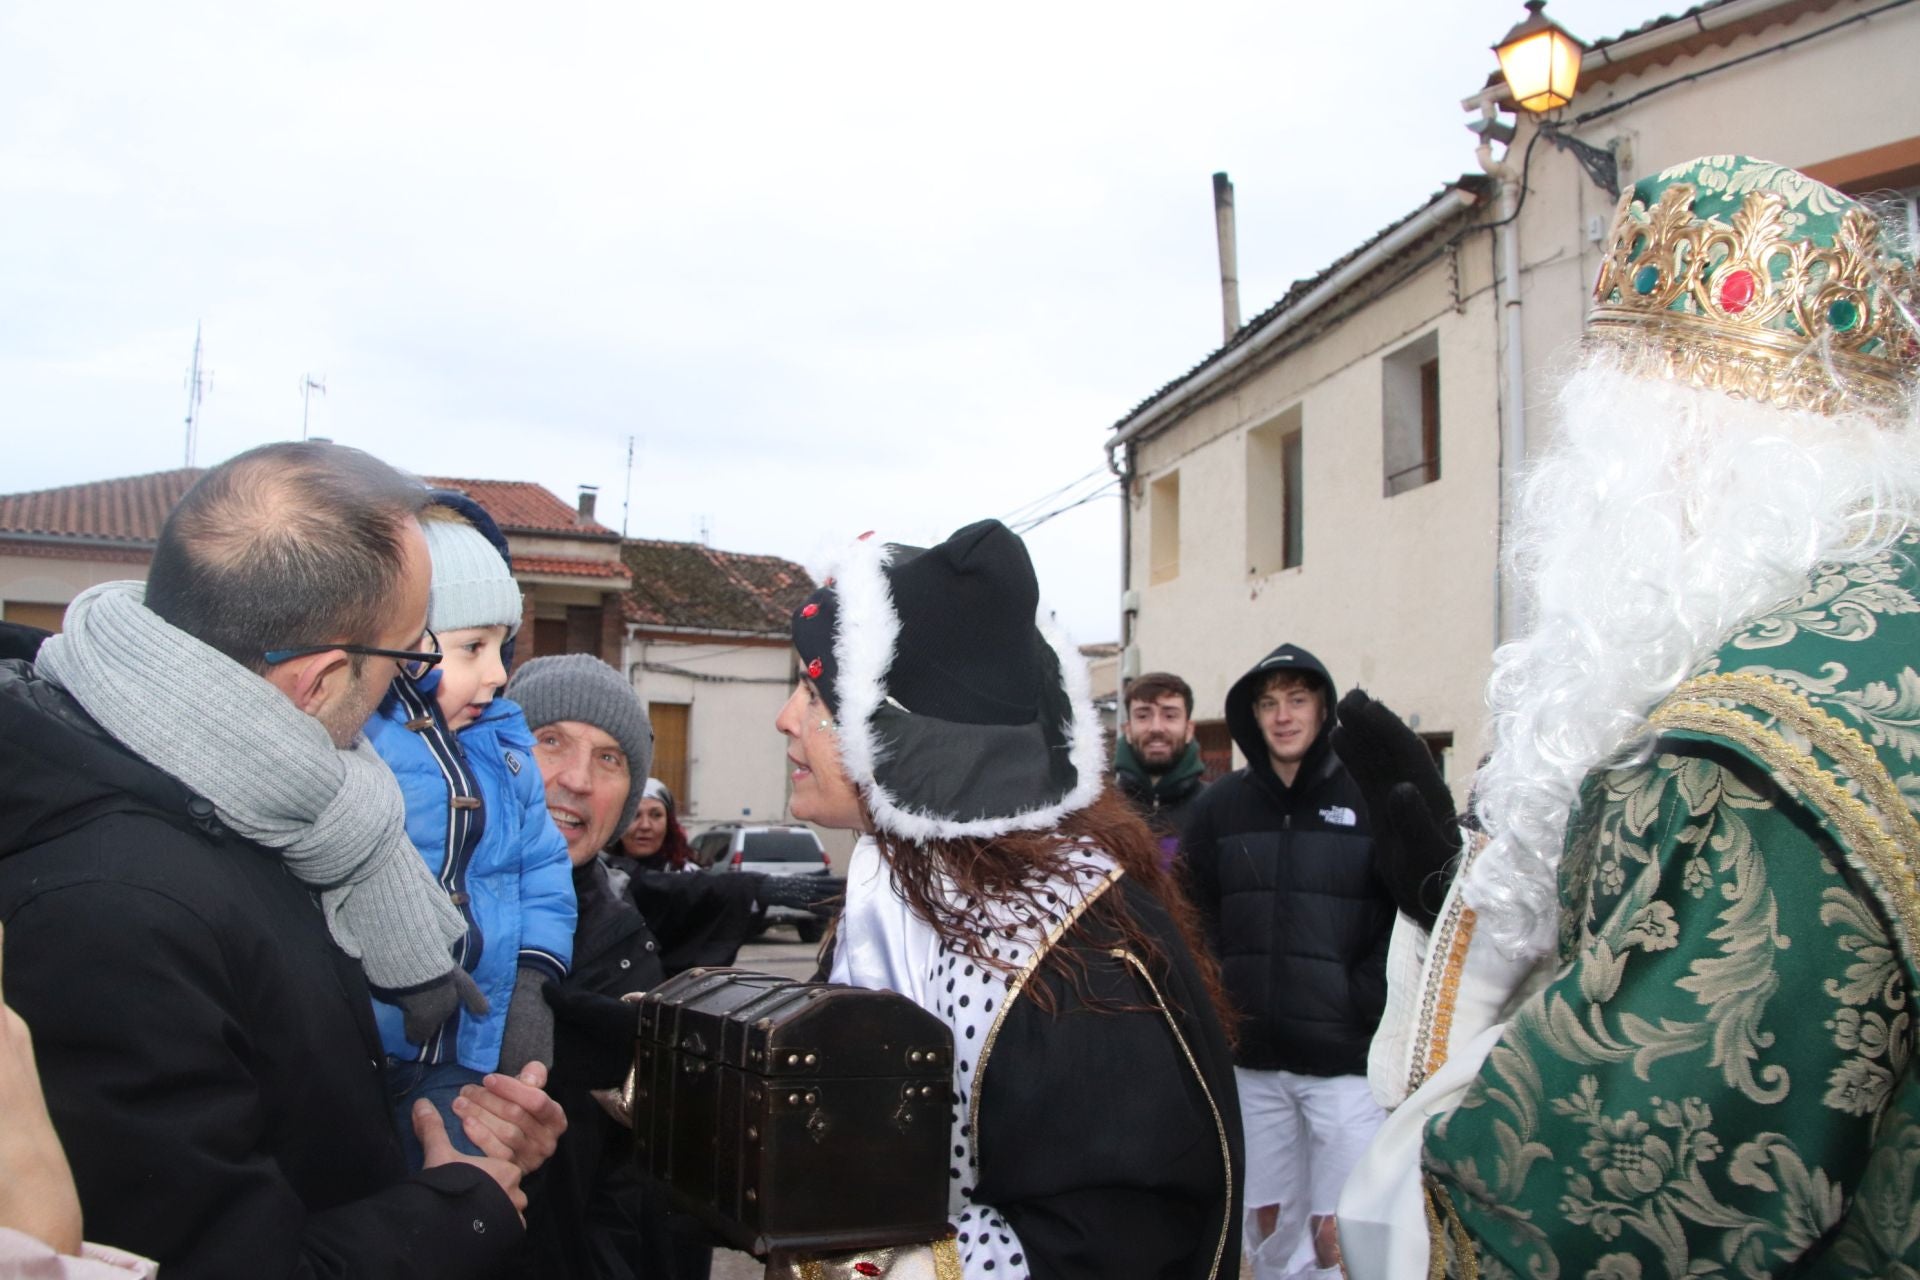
476, 810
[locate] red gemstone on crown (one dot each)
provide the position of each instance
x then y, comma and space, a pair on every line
814, 669
810, 610
1736, 291
866, 1268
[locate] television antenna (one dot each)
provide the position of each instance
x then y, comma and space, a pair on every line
308, 385
198, 384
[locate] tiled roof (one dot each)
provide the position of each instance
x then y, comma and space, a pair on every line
1605, 59
570, 566
127, 510
520, 506
131, 509
1301, 288
687, 584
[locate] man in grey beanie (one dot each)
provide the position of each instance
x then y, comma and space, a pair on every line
594, 744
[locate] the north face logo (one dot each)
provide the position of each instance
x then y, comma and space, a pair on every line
513, 767
1340, 816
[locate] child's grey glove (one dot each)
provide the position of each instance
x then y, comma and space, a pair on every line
819, 894
425, 1009
529, 1034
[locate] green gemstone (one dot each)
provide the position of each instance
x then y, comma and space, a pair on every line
1646, 280
1843, 314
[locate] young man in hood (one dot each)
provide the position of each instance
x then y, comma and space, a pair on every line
1156, 762
1279, 859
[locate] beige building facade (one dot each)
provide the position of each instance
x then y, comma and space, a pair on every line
1335, 476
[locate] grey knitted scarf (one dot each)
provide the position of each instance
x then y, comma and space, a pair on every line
271, 772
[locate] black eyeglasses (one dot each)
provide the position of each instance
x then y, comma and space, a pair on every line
413, 664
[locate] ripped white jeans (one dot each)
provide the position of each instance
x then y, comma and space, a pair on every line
1304, 1135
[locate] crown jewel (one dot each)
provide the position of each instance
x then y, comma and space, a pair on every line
1796, 298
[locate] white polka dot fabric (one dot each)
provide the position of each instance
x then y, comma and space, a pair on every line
883, 944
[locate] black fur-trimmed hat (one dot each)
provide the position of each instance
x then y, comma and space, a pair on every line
961, 708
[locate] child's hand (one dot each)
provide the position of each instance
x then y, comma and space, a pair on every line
432, 1132
528, 1036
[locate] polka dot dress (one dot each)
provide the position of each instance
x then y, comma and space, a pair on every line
971, 997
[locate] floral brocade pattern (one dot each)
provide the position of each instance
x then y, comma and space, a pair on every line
1718, 1080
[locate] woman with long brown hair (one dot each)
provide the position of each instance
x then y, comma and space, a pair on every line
1003, 887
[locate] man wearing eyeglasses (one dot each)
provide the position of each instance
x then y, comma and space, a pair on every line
203, 869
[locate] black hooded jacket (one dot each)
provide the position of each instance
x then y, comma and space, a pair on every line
1284, 881
208, 1054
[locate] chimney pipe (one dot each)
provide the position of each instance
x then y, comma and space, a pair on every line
588, 492
1229, 258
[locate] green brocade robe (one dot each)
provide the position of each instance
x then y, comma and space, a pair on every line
1718, 1080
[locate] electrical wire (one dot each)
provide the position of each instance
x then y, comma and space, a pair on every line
1109, 490
1026, 509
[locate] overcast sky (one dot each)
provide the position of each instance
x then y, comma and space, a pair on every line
835, 266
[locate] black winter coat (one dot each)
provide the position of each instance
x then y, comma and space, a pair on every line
208, 1055
591, 1216
1284, 880
1112, 1147
586, 1217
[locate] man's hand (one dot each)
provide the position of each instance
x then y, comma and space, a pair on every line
432, 1132
37, 1194
512, 1118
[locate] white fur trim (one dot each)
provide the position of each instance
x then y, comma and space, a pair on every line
865, 633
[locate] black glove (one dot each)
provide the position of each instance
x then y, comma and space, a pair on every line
426, 1008
528, 1036
1416, 833
819, 894
596, 1032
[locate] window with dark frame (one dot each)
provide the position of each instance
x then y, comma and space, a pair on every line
1293, 484
1410, 416
1274, 494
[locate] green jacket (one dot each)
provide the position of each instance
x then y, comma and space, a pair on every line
1160, 798
1719, 1079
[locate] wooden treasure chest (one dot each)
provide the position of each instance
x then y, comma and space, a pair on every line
795, 1117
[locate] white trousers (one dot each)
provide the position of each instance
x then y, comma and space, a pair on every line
1304, 1135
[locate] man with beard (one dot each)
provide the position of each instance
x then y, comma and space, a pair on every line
1157, 762
1663, 1023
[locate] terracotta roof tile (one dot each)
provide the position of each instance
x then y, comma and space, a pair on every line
520, 506
687, 584
129, 509
574, 566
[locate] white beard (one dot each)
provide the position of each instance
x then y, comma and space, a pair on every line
1661, 518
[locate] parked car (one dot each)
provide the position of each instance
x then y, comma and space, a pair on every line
769, 850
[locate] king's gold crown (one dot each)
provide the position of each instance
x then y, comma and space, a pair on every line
1757, 305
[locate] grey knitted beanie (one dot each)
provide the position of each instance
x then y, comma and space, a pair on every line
472, 586
578, 686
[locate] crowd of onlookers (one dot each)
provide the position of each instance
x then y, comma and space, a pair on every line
209, 884
253, 1064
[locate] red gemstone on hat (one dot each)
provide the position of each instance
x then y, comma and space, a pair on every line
814, 669
810, 610
1736, 291
866, 1268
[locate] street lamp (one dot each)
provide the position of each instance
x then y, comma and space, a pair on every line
1540, 61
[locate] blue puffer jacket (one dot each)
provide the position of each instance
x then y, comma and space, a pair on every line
514, 884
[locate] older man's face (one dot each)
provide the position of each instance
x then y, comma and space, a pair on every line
587, 782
